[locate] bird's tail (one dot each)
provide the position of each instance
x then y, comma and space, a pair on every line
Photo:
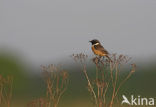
109, 58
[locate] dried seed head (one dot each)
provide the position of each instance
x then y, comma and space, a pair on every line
64, 75
100, 83
96, 60
44, 68
79, 57
133, 68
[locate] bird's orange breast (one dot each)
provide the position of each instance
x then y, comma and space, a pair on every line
98, 52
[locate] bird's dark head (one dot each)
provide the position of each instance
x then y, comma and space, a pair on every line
94, 41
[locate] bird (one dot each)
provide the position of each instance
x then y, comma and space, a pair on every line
98, 49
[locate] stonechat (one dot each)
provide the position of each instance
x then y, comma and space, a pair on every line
98, 49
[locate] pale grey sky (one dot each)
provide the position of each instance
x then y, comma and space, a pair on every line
47, 29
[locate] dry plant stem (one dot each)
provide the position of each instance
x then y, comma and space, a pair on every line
40, 102
102, 86
89, 84
128, 76
6, 90
56, 80
103, 79
114, 82
98, 88
49, 90
104, 96
10, 81
111, 71
102, 89
115, 91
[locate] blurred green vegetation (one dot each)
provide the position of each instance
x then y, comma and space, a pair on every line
10, 66
27, 87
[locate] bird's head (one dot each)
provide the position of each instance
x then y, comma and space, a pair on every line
94, 41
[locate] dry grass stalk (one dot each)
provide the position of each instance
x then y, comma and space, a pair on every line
115, 69
82, 59
106, 77
40, 102
57, 81
6, 90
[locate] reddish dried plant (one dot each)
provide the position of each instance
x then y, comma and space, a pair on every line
40, 102
106, 77
56, 80
6, 90
115, 68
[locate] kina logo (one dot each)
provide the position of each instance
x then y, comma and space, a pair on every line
138, 100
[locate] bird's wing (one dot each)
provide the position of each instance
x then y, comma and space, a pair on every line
101, 48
